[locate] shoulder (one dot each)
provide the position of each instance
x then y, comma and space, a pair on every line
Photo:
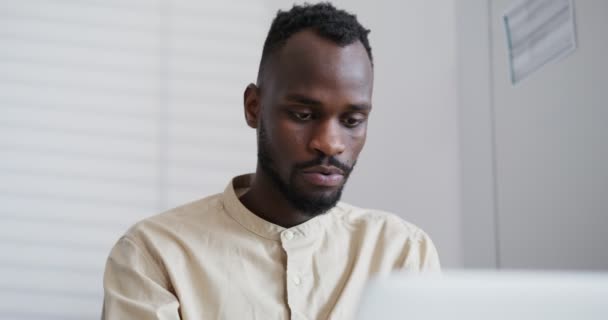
373, 218
401, 240
177, 222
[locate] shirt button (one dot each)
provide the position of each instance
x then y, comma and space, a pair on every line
288, 235
297, 281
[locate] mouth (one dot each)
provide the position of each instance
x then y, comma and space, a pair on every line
323, 176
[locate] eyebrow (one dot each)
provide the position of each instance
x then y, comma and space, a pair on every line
302, 99
298, 98
359, 107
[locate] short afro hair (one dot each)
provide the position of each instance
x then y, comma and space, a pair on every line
328, 22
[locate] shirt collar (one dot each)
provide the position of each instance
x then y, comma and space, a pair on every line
250, 221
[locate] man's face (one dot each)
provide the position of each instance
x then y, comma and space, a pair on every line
315, 98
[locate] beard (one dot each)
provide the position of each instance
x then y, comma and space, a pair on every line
309, 204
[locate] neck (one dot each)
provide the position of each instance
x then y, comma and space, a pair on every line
266, 201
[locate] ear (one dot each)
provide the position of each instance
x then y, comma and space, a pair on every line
251, 103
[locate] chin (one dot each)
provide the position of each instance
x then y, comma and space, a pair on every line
316, 203
323, 196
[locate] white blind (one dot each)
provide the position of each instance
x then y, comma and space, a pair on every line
111, 111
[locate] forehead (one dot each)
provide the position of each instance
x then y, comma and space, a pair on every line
309, 63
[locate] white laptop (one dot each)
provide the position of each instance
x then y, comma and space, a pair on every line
487, 296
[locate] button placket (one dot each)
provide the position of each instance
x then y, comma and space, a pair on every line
292, 275
295, 243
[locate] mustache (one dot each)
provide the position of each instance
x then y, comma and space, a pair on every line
328, 161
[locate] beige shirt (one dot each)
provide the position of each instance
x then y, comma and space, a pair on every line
214, 259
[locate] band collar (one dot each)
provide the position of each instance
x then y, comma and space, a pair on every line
250, 221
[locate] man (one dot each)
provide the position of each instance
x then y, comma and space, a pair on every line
277, 244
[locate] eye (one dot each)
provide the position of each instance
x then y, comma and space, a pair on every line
302, 116
352, 122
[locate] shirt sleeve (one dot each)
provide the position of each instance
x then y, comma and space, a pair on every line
421, 254
135, 287
428, 258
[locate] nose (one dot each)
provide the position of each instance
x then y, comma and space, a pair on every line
327, 138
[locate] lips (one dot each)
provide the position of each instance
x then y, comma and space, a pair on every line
323, 176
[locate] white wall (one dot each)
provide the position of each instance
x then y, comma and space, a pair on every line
552, 151
539, 147
476, 135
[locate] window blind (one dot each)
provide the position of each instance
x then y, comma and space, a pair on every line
111, 111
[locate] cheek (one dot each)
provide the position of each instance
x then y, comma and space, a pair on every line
291, 140
356, 142
296, 139
299, 138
